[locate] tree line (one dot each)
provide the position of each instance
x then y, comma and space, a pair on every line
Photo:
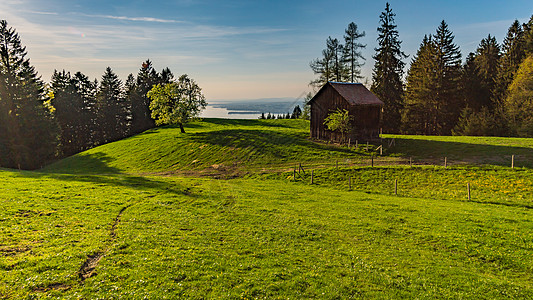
489, 94
42, 122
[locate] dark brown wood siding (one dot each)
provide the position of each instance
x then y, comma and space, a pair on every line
366, 117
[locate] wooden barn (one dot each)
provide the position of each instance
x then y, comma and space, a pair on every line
364, 106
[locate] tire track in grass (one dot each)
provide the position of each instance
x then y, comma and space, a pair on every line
89, 265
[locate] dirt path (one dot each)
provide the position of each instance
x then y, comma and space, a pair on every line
88, 267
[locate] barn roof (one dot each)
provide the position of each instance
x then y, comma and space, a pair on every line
354, 93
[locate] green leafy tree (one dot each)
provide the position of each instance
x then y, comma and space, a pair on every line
519, 102
28, 134
177, 102
339, 121
387, 74
352, 55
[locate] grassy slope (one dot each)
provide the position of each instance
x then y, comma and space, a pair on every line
267, 236
209, 145
479, 150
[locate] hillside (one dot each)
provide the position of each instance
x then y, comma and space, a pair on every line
122, 221
210, 146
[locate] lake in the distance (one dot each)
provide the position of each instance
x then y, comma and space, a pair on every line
250, 109
211, 111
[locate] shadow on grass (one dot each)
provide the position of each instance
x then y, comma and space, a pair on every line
270, 143
94, 168
499, 155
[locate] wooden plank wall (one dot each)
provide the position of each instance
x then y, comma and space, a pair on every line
366, 122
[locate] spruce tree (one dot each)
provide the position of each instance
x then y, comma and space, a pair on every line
28, 135
352, 52
387, 74
422, 105
111, 109
513, 53
139, 102
73, 112
448, 91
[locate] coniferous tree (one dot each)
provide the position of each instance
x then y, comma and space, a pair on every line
296, 112
528, 36
434, 79
448, 74
513, 53
139, 102
335, 47
352, 53
111, 109
324, 68
87, 89
387, 75
28, 135
73, 111
422, 106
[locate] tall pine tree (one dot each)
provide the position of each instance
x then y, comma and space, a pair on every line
323, 67
139, 102
513, 53
352, 52
421, 114
111, 109
28, 135
388, 71
448, 91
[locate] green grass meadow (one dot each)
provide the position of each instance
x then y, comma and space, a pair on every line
216, 213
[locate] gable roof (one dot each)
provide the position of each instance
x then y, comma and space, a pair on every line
354, 93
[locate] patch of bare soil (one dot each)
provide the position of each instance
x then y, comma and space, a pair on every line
53, 286
88, 267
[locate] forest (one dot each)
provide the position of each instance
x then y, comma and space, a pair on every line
489, 94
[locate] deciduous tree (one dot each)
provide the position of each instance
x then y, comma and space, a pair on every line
177, 102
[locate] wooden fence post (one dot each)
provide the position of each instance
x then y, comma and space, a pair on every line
468, 188
395, 186
410, 162
372, 160
445, 163
512, 161
356, 143
349, 142
367, 146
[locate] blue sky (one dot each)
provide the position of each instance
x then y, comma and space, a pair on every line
233, 49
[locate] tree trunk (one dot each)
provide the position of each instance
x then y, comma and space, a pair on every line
181, 128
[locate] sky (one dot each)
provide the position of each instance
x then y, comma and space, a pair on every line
234, 49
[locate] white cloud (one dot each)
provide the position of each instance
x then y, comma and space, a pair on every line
141, 19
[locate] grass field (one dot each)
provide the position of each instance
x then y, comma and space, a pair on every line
123, 221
